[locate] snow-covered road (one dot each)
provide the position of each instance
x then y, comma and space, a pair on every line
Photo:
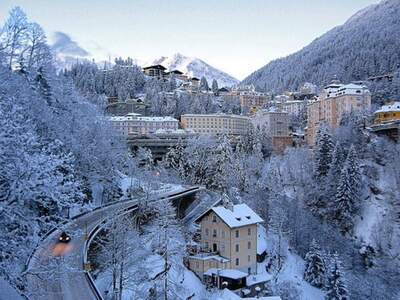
55, 270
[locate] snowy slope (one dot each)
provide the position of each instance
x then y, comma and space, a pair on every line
195, 67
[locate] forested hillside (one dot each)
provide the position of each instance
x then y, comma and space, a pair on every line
366, 45
57, 155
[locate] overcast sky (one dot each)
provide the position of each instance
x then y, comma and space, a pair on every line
236, 36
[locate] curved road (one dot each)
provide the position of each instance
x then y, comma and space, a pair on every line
55, 270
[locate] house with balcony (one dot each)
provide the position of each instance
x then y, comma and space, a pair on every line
228, 245
155, 71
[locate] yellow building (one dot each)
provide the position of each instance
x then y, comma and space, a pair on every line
387, 121
228, 240
388, 113
335, 100
214, 124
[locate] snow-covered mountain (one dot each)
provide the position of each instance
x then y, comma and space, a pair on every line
364, 46
195, 67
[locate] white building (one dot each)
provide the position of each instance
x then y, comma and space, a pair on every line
137, 124
216, 124
294, 107
274, 121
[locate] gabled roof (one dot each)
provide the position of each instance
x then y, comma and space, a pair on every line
160, 67
175, 72
223, 89
241, 215
392, 107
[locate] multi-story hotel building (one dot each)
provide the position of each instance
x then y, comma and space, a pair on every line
251, 102
215, 124
136, 124
335, 100
275, 122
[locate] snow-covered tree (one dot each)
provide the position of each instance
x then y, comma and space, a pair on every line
336, 287
315, 270
214, 87
323, 151
13, 36
144, 157
354, 169
346, 201
204, 84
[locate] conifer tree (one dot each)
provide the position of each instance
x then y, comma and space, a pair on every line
323, 152
354, 170
222, 164
336, 166
204, 84
345, 201
214, 87
337, 289
315, 271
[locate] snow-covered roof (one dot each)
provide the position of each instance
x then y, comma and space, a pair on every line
219, 115
228, 273
241, 215
208, 256
259, 278
136, 117
393, 107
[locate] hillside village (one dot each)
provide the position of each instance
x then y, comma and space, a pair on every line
123, 182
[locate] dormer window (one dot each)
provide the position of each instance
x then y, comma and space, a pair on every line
239, 219
248, 217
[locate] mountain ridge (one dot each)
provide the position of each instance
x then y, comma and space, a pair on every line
365, 45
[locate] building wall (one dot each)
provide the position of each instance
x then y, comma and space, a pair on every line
215, 231
330, 110
275, 123
216, 124
252, 102
142, 125
200, 266
387, 116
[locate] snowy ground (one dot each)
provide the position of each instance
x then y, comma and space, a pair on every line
375, 208
292, 269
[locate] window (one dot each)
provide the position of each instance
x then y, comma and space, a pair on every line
237, 233
223, 233
197, 264
249, 231
206, 245
214, 232
206, 231
237, 247
248, 245
237, 261
248, 258
222, 247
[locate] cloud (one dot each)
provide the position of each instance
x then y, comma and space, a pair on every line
63, 44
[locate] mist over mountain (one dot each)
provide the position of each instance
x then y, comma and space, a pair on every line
366, 45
